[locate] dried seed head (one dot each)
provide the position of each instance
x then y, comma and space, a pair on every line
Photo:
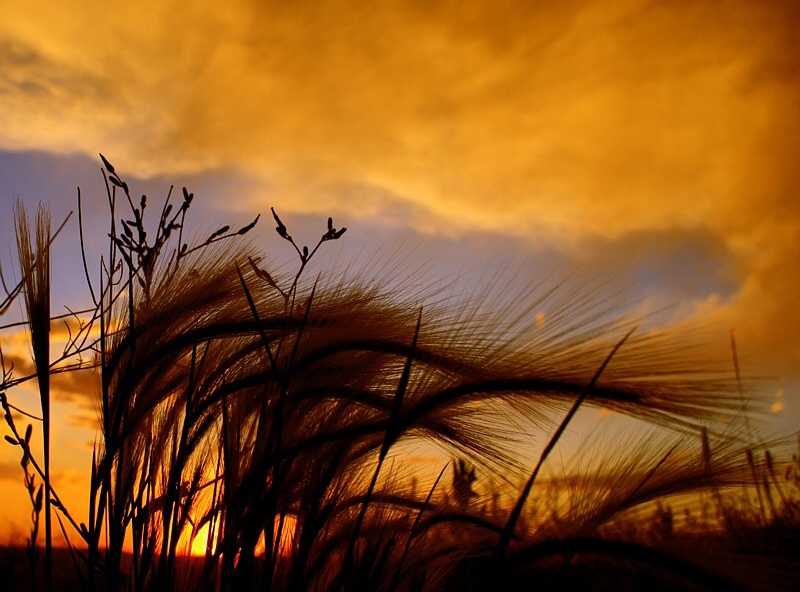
280, 228
107, 164
250, 226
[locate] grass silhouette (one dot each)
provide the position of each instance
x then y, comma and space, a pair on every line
252, 407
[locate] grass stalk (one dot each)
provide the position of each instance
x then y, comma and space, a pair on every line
35, 267
508, 531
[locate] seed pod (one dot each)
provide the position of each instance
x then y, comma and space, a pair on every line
280, 228
250, 226
107, 164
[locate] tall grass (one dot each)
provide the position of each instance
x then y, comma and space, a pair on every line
257, 407
35, 271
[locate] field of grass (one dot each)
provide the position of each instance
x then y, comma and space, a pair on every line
263, 419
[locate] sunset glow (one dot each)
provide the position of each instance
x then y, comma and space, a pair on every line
200, 540
569, 225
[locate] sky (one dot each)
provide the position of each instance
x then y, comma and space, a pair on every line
650, 145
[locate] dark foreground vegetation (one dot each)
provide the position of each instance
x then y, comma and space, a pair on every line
239, 405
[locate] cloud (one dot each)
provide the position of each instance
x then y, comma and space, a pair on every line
75, 386
10, 471
588, 116
579, 123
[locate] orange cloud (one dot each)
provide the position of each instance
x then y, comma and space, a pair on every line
572, 122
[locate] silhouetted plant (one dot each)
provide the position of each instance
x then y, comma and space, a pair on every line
463, 478
267, 410
34, 493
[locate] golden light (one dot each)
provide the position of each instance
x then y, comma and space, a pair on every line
199, 543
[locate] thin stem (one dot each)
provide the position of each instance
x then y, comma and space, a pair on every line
83, 249
508, 531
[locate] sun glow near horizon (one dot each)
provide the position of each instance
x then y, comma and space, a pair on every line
198, 544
